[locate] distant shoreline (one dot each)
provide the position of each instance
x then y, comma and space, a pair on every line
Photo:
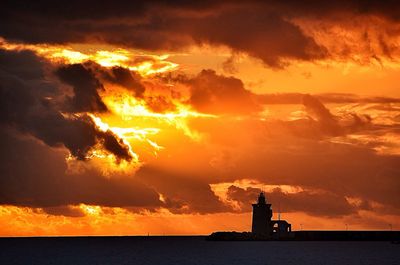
304, 235
103, 236
310, 235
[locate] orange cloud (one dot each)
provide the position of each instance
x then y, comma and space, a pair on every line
143, 145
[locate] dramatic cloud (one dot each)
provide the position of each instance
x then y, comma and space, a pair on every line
326, 120
313, 203
189, 194
342, 169
64, 211
212, 93
331, 124
53, 186
127, 79
273, 31
29, 103
239, 27
263, 148
313, 154
121, 76
120, 111
85, 85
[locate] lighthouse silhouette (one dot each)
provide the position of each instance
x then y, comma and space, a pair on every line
262, 214
262, 221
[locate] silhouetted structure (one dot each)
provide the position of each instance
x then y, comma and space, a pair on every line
264, 228
263, 225
262, 214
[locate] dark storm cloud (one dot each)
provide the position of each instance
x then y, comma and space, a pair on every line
213, 93
318, 204
15, 102
23, 64
258, 35
113, 144
187, 194
320, 9
64, 211
34, 175
85, 86
342, 169
29, 103
56, 190
164, 26
283, 152
117, 75
127, 79
263, 29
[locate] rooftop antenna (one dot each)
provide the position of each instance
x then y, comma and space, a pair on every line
279, 211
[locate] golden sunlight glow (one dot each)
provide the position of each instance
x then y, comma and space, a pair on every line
100, 220
141, 129
90, 210
144, 123
136, 125
129, 108
144, 64
221, 189
167, 118
103, 162
101, 159
129, 133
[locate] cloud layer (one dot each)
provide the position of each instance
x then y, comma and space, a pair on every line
111, 136
272, 31
36, 105
45, 110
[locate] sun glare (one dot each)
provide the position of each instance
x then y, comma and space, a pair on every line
144, 123
144, 64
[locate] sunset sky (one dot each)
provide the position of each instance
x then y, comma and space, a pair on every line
170, 117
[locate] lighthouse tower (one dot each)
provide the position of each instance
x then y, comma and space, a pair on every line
262, 214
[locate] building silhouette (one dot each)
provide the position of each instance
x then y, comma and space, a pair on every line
264, 228
262, 220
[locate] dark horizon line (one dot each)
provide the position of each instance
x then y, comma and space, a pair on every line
172, 235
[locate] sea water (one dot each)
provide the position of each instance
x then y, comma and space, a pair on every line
191, 250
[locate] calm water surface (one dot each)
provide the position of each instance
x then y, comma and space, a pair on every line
190, 250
